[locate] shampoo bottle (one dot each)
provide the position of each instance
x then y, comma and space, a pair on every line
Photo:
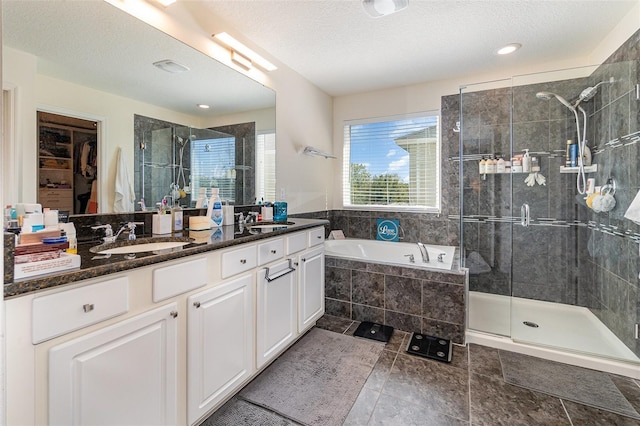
586, 156
214, 210
482, 167
526, 162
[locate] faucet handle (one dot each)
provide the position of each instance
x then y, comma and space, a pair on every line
108, 231
441, 257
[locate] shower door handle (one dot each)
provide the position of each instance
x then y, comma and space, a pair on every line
525, 217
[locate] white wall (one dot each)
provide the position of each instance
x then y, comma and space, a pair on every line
426, 96
35, 91
265, 119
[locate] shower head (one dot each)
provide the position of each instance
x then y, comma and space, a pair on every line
591, 91
548, 95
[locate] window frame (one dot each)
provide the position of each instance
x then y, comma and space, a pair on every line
346, 166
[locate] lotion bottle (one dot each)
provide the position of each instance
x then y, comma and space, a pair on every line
482, 167
176, 217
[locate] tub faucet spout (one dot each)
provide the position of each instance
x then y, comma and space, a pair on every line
423, 252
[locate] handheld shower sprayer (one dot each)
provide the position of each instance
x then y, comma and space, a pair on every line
548, 95
588, 93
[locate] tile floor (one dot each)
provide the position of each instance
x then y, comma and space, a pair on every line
408, 390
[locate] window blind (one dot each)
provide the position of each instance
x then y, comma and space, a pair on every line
266, 166
213, 163
392, 163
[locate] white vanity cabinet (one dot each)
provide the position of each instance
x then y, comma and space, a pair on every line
310, 287
220, 343
123, 374
276, 310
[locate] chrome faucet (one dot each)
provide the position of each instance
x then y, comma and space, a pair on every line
108, 231
423, 252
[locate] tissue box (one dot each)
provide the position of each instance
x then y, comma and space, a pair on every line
161, 224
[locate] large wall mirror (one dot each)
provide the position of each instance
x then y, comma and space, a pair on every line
89, 60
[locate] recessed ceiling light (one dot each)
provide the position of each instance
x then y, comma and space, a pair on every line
509, 48
171, 66
203, 106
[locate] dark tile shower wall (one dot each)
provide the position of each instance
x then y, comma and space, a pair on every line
407, 299
609, 262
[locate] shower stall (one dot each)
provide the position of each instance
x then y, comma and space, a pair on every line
546, 270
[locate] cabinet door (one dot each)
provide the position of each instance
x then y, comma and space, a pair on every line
220, 344
122, 374
310, 288
276, 312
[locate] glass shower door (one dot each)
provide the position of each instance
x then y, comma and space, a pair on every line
486, 205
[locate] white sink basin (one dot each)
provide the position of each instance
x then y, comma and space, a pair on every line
140, 248
270, 226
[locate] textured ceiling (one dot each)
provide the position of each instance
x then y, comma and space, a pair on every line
334, 44
94, 44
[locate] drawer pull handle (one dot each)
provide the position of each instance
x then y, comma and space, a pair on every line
87, 307
196, 304
319, 236
173, 314
282, 273
273, 252
243, 261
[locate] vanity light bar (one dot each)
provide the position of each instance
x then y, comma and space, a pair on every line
241, 60
243, 50
166, 3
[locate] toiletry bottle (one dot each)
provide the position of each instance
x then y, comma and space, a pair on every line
215, 207
488, 167
526, 162
567, 161
500, 166
482, 167
70, 230
573, 155
535, 164
176, 217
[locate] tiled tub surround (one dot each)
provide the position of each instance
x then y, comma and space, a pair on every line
408, 299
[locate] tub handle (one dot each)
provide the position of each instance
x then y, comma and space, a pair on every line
412, 259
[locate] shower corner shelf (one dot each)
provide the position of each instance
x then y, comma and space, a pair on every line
587, 169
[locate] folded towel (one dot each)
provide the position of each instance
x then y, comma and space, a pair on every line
124, 192
633, 212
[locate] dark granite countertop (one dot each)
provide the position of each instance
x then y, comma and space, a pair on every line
203, 241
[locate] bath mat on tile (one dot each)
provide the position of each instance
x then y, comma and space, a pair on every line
565, 381
317, 380
238, 412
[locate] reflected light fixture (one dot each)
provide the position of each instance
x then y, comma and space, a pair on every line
203, 106
170, 66
240, 60
509, 48
166, 3
379, 8
249, 55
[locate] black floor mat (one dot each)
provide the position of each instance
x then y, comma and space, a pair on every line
374, 331
430, 347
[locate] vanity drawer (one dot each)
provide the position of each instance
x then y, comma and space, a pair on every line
238, 260
316, 236
65, 311
270, 251
182, 277
296, 242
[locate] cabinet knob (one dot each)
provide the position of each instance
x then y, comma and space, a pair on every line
196, 304
87, 307
243, 261
303, 259
173, 314
273, 252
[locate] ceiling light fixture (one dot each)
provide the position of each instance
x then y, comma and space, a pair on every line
171, 66
166, 3
509, 48
203, 106
379, 8
244, 51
